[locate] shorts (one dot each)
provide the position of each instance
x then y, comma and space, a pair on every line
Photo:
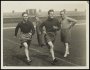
50, 36
24, 37
65, 35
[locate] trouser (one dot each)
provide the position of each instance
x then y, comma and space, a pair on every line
40, 38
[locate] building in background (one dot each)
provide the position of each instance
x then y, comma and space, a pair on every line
76, 10
31, 12
40, 10
13, 11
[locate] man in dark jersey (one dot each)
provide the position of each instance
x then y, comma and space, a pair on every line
27, 30
66, 24
52, 25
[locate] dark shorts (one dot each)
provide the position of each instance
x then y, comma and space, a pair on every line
50, 36
25, 37
65, 35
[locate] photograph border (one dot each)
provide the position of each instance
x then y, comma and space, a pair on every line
54, 67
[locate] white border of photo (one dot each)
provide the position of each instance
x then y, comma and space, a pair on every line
49, 67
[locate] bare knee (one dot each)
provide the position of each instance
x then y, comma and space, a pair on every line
25, 45
66, 44
51, 45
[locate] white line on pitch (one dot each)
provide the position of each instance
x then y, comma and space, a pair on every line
8, 27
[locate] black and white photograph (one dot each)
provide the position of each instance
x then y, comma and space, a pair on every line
44, 35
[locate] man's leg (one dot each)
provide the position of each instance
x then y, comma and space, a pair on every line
66, 49
50, 44
21, 45
65, 37
51, 49
26, 51
28, 42
42, 39
38, 39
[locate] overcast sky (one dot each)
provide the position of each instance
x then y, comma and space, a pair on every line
20, 6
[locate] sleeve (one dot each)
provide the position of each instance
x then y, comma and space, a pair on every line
72, 20
37, 27
58, 25
41, 26
16, 29
33, 29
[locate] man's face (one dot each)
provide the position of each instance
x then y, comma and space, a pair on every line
25, 17
37, 18
51, 14
62, 14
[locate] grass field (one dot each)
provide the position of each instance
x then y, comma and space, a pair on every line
14, 56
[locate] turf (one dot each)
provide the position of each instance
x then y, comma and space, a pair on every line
14, 56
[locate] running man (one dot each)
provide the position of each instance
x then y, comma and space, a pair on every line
40, 36
52, 25
66, 24
27, 30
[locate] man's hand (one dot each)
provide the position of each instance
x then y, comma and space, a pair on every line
72, 24
55, 27
30, 33
44, 32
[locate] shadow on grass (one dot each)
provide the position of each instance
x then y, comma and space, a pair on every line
21, 58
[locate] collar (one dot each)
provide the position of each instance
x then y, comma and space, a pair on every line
24, 21
50, 19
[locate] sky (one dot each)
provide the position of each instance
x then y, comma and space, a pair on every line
20, 6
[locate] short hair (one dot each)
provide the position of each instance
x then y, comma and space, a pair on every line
51, 10
24, 13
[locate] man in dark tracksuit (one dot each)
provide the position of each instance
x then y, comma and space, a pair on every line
27, 30
52, 25
40, 36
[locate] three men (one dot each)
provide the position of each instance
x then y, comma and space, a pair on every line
27, 30
52, 25
66, 25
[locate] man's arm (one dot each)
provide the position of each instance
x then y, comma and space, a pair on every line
72, 21
37, 27
41, 26
58, 25
16, 29
33, 29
